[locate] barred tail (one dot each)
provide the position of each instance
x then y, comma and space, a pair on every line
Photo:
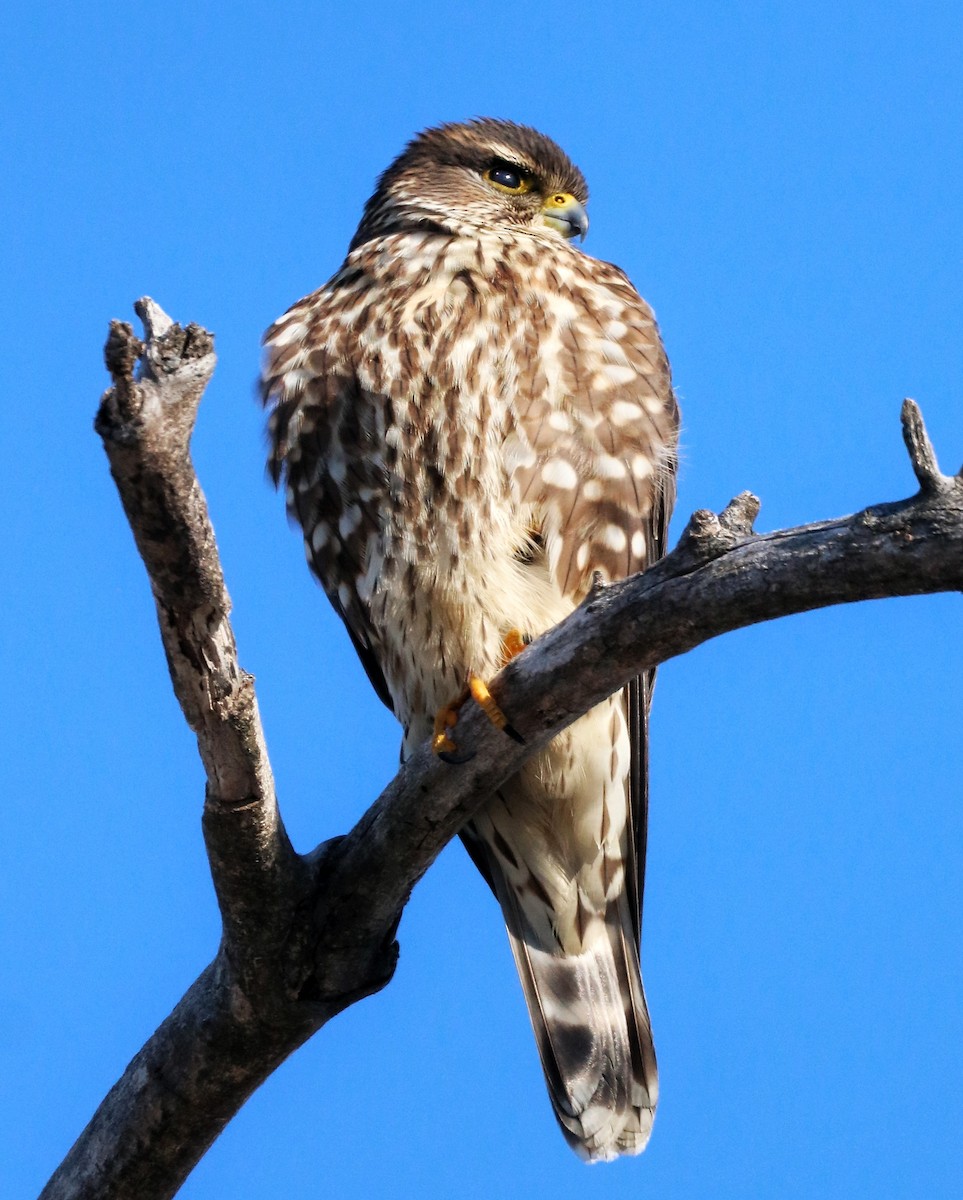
591, 1024
562, 846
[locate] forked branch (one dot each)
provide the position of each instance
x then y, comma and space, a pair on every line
305, 936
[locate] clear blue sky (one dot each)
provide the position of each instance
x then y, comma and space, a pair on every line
783, 182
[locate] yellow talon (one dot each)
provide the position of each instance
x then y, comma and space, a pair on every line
489, 706
442, 744
486, 701
513, 643
446, 718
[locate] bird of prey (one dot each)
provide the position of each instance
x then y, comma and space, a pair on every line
472, 417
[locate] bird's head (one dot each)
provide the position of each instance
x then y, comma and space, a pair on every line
479, 176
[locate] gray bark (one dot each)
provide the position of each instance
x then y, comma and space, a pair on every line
306, 936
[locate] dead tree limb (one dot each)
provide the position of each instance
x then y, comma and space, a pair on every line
306, 936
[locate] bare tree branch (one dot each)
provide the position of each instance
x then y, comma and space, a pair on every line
305, 936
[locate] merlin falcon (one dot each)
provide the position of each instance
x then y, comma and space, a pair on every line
472, 418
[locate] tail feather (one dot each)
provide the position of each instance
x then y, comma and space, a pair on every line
562, 845
591, 1025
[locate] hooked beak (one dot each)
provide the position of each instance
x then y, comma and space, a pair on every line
564, 213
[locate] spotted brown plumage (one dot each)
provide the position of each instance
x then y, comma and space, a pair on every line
471, 417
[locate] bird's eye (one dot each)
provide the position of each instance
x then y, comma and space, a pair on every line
507, 178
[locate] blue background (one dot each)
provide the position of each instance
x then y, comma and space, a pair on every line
783, 182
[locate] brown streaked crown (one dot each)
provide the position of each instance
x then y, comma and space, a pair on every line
438, 180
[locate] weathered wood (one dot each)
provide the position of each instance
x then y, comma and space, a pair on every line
305, 936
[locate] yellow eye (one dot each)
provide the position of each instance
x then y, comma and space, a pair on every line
507, 178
